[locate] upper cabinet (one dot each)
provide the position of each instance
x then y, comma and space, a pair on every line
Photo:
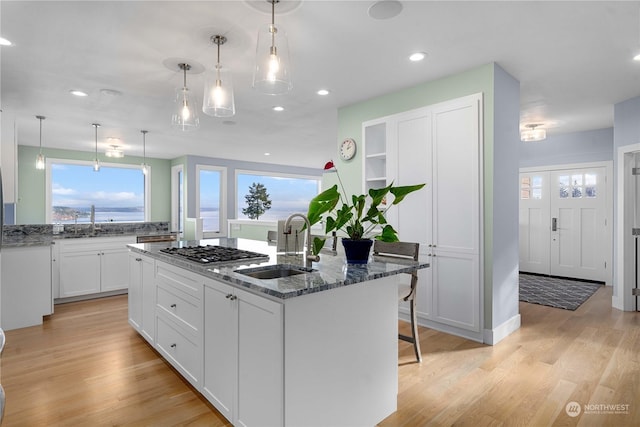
439, 145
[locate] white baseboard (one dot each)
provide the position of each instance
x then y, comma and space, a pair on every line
494, 336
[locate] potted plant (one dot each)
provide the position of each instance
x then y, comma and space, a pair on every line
361, 218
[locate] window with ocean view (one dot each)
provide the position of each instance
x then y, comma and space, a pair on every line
288, 193
210, 203
117, 192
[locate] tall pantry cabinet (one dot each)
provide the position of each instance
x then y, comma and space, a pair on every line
440, 145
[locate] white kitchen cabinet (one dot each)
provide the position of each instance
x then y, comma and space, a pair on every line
142, 295
26, 286
93, 265
439, 145
243, 350
178, 325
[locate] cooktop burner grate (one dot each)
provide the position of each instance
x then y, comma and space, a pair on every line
212, 254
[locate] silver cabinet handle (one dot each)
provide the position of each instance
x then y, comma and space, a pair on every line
233, 298
228, 296
173, 306
138, 259
174, 345
554, 224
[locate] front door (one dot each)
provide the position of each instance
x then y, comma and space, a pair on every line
563, 228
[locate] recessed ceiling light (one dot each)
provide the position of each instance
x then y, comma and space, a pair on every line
78, 93
278, 108
5, 42
267, 154
417, 56
323, 92
637, 57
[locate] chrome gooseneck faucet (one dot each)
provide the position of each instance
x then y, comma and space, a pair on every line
309, 255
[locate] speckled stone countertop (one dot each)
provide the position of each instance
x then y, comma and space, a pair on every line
331, 272
42, 234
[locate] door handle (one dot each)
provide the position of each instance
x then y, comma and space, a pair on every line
554, 224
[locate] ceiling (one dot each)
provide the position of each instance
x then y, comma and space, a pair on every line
573, 60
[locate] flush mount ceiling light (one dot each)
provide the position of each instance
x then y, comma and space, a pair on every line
531, 134
272, 74
323, 92
5, 42
185, 116
278, 108
114, 152
218, 87
40, 158
144, 166
96, 163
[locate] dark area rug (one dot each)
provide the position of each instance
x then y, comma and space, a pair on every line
555, 292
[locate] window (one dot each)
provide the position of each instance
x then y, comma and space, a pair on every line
118, 192
578, 186
211, 192
288, 193
531, 188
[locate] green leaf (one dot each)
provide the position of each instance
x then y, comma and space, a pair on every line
318, 244
323, 203
399, 193
378, 194
388, 234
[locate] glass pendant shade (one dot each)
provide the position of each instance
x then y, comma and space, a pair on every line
144, 166
272, 72
40, 159
185, 114
218, 93
96, 163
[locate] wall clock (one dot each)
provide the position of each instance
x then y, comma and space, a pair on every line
348, 149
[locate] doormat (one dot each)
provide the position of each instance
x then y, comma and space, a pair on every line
555, 292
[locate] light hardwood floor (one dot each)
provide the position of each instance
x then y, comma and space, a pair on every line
87, 367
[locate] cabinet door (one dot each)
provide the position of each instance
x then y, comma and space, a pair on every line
260, 361
135, 291
148, 298
220, 347
114, 275
79, 273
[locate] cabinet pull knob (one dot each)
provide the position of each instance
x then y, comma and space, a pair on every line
228, 296
138, 259
173, 306
233, 298
173, 345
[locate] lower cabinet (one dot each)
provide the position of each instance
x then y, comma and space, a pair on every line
179, 320
142, 295
243, 353
26, 286
93, 265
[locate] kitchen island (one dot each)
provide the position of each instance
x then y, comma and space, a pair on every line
313, 349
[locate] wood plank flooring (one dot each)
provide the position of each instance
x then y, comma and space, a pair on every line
87, 367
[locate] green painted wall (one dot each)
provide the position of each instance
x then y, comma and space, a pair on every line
30, 206
477, 80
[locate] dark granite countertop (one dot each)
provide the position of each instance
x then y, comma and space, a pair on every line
42, 234
331, 272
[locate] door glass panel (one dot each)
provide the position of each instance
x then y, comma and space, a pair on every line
526, 181
524, 193
563, 181
537, 181
590, 181
537, 193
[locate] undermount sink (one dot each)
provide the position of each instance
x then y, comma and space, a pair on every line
275, 271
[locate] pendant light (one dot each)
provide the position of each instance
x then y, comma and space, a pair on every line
40, 158
218, 87
96, 163
185, 116
144, 166
271, 74
114, 151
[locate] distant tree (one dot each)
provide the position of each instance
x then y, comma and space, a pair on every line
257, 201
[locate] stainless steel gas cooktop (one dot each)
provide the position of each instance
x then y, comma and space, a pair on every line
211, 254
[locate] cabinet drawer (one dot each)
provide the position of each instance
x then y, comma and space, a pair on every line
183, 307
184, 353
180, 279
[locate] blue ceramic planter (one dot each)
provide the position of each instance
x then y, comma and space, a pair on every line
357, 251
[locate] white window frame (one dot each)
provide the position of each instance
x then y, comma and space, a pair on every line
266, 173
175, 205
223, 198
48, 183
